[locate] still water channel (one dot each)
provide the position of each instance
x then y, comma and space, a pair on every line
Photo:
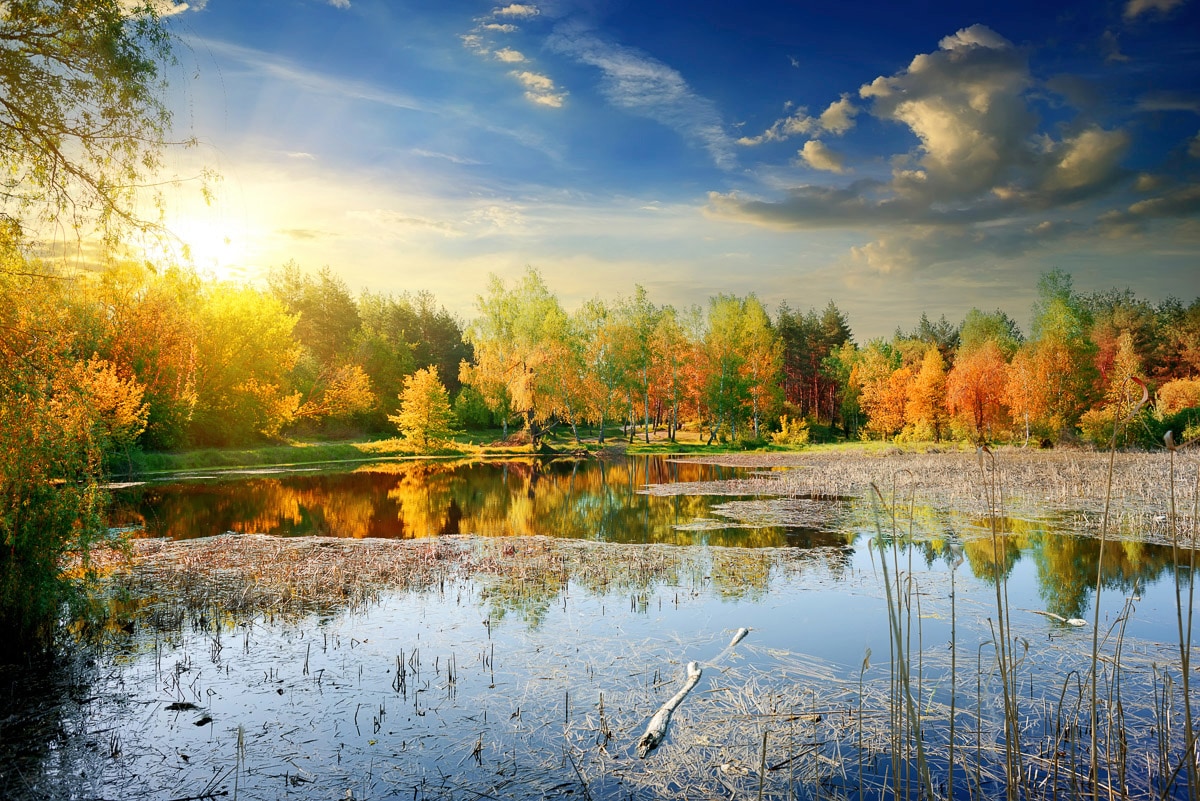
479, 689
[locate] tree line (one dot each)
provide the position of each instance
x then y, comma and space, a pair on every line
167, 360
732, 372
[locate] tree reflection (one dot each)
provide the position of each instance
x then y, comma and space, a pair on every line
591, 500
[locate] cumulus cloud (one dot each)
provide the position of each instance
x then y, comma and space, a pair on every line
510, 56
498, 27
517, 10
1135, 8
965, 104
982, 175
539, 89
343, 4
837, 119
642, 85
1089, 159
818, 156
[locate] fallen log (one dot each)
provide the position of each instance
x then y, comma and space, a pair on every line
656, 730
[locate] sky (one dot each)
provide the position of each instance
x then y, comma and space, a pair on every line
896, 158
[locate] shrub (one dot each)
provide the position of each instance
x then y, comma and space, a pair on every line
792, 432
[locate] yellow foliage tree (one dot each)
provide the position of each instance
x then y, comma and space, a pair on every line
425, 416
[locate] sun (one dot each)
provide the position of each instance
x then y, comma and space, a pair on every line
210, 243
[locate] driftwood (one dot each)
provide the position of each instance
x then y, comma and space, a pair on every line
656, 729
1070, 621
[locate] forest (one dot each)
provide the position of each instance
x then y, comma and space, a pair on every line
168, 360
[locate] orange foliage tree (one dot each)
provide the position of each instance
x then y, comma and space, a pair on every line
977, 389
925, 412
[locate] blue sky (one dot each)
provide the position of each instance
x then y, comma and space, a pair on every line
896, 158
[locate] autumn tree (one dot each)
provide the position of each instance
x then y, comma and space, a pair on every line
245, 352
925, 412
511, 346
141, 319
638, 317
1106, 423
883, 388
763, 363
425, 416
1052, 377
977, 388
82, 125
668, 346
82, 121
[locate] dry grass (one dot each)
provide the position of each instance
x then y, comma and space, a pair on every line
1031, 482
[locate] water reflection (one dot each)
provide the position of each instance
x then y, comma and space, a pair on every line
591, 499
600, 501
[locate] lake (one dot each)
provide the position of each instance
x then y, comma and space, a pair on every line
526, 662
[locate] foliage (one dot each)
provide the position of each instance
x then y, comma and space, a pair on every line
976, 388
425, 416
792, 432
925, 412
245, 352
809, 340
471, 410
1121, 398
51, 450
513, 347
82, 120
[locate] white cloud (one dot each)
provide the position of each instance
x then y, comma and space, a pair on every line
343, 4
302, 78
645, 86
1135, 8
1086, 160
474, 43
517, 10
498, 27
433, 154
509, 56
816, 155
965, 104
540, 89
839, 117
301, 155
975, 36
982, 176
836, 120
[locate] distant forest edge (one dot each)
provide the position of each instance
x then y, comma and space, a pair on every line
166, 360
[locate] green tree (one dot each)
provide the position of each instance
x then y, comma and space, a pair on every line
1063, 357
512, 339
979, 327
425, 416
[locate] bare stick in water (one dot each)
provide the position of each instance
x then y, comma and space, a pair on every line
656, 730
